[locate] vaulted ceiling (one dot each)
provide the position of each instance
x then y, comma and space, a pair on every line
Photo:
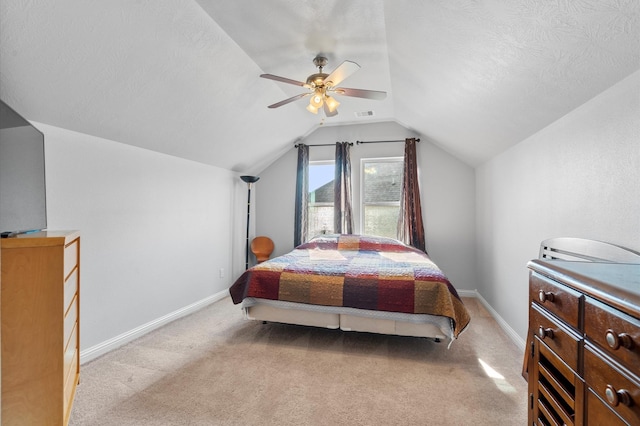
182, 76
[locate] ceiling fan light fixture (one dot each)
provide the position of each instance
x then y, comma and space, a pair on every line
316, 99
332, 104
321, 84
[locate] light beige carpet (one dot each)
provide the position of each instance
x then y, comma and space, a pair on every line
216, 368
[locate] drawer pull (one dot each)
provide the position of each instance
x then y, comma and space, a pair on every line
545, 332
615, 397
615, 340
544, 296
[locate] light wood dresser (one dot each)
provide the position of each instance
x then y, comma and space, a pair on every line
584, 343
40, 327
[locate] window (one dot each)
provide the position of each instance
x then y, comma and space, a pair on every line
381, 189
321, 177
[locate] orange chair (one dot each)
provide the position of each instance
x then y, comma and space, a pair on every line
262, 247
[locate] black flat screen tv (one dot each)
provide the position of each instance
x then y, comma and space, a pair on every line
22, 175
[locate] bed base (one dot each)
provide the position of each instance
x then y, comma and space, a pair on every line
345, 322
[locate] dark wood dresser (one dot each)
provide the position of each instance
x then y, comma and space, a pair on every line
583, 349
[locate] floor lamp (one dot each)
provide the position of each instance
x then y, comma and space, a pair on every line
249, 180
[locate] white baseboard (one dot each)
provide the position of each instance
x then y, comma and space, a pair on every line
115, 342
515, 337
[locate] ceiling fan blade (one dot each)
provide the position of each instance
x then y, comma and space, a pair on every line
361, 93
282, 79
289, 100
343, 71
328, 113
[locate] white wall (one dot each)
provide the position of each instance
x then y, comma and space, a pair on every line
447, 193
156, 229
579, 177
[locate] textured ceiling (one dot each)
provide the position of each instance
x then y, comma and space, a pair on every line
181, 76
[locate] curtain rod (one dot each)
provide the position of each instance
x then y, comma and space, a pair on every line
357, 143
361, 142
322, 144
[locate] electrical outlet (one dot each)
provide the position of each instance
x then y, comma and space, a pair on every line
221, 272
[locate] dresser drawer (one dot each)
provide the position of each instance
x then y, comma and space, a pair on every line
598, 413
70, 382
615, 332
71, 252
70, 319
557, 298
70, 289
613, 385
560, 339
70, 350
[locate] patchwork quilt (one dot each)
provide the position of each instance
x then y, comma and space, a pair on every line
356, 271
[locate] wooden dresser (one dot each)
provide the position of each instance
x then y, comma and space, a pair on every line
40, 327
583, 354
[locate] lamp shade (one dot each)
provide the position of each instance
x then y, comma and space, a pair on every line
250, 179
316, 99
332, 104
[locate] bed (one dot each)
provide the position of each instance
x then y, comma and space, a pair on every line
354, 283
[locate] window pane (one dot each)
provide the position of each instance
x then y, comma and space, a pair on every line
381, 220
382, 186
383, 181
320, 220
321, 177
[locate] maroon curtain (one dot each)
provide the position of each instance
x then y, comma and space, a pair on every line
410, 225
342, 213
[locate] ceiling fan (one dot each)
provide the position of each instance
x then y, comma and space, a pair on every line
321, 85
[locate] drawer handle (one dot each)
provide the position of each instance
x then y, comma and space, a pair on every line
616, 397
544, 296
615, 340
545, 332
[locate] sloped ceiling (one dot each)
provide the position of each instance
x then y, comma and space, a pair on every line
182, 76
